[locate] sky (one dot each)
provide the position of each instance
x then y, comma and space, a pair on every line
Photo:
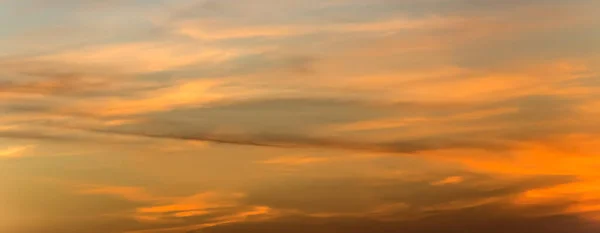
324, 116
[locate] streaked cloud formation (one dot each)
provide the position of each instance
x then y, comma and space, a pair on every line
351, 116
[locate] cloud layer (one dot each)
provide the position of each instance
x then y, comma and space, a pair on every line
349, 116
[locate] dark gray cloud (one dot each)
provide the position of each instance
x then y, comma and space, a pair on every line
361, 195
537, 117
273, 115
339, 196
485, 219
298, 123
291, 122
302, 141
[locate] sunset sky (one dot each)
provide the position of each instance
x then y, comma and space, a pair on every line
300, 116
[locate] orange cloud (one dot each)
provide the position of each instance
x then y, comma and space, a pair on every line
242, 216
198, 204
571, 155
295, 160
390, 123
480, 65
136, 194
210, 30
142, 56
449, 180
178, 95
14, 152
166, 208
260, 212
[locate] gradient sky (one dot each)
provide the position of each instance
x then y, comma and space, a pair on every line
321, 116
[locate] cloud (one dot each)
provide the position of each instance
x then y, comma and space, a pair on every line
467, 84
135, 194
210, 31
402, 122
178, 95
294, 160
449, 180
391, 206
349, 125
142, 56
495, 126
330, 116
20, 134
297, 141
53, 208
58, 84
238, 215
488, 219
14, 152
173, 213
361, 195
197, 202
380, 201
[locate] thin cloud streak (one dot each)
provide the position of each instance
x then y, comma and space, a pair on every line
296, 141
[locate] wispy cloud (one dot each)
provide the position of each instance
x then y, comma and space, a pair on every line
14, 152
294, 160
449, 180
209, 31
